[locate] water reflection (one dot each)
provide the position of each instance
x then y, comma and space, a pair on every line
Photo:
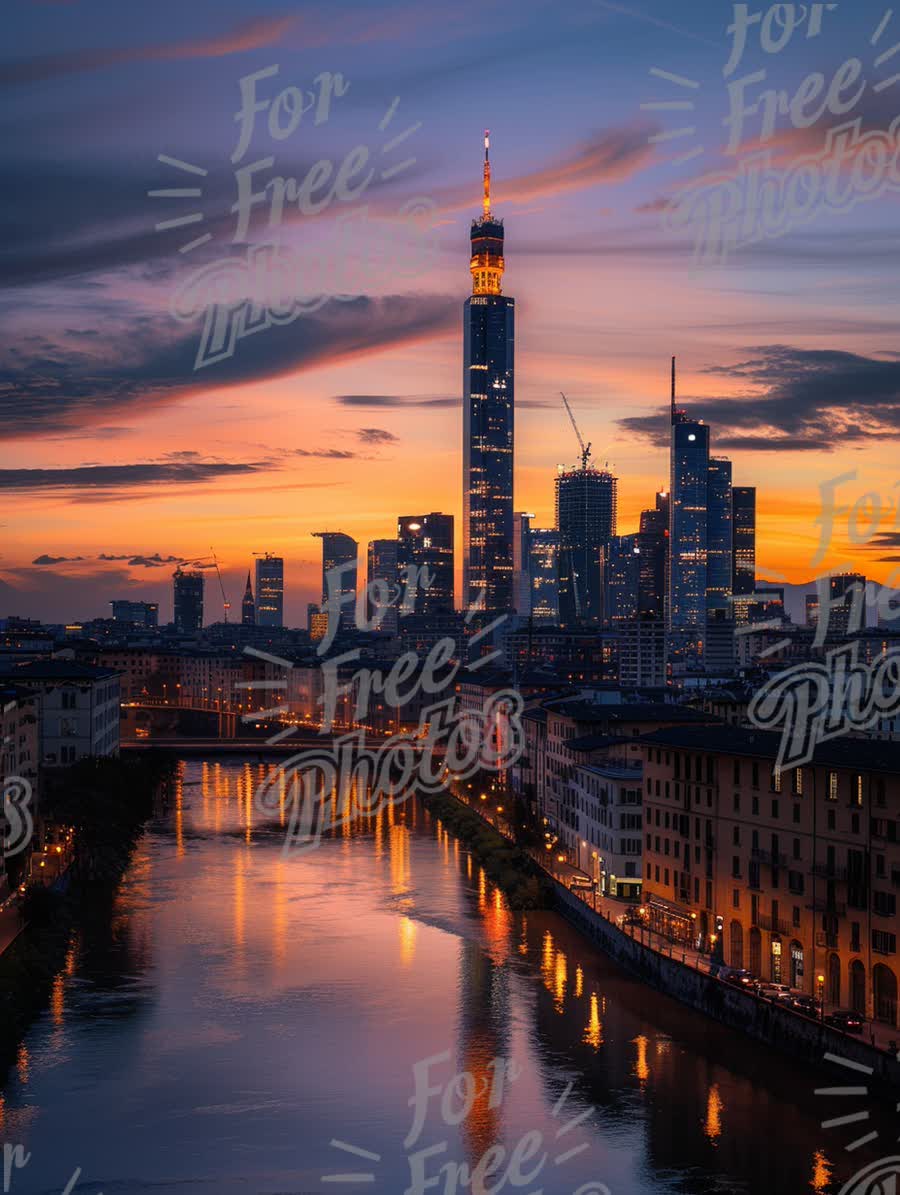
238, 1008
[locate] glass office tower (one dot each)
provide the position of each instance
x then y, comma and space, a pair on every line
340, 553
544, 575
688, 512
719, 535
488, 419
743, 499
383, 577
426, 542
269, 591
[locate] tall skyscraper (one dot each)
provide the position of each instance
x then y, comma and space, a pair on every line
846, 604
340, 552
743, 500
544, 575
488, 418
653, 542
188, 601
522, 563
586, 519
269, 591
248, 606
621, 568
688, 495
719, 535
383, 575
426, 542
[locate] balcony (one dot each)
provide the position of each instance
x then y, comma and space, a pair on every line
778, 926
821, 905
825, 872
773, 859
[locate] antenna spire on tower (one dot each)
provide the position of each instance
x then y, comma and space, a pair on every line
486, 203
673, 389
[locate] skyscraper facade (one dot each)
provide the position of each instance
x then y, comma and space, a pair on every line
339, 566
743, 498
688, 497
544, 575
426, 542
488, 418
846, 604
382, 595
248, 605
621, 561
188, 601
269, 591
522, 563
586, 519
719, 535
653, 544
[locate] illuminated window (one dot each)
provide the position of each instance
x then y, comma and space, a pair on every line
832, 786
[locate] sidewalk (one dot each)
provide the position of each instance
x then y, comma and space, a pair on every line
11, 924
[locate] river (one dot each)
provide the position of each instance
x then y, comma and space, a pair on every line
242, 1010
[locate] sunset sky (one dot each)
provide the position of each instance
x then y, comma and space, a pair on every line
119, 457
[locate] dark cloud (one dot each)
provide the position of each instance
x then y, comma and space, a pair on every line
149, 362
250, 35
88, 477
797, 400
394, 400
154, 561
328, 454
882, 541
45, 559
377, 435
136, 560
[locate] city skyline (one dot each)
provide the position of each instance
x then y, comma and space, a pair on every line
450, 565
368, 412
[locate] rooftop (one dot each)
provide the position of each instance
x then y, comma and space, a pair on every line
53, 670
863, 754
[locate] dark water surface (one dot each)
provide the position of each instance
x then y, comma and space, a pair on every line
246, 1008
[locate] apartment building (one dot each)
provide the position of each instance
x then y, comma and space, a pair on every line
792, 874
79, 708
606, 794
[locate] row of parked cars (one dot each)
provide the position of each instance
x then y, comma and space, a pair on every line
779, 993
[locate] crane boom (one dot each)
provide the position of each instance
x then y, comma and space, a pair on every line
585, 449
226, 605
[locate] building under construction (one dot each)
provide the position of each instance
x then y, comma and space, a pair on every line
586, 518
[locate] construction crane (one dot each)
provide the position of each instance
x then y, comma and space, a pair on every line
226, 605
585, 450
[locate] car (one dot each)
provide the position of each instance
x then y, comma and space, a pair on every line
581, 882
808, 1005
739, 979
633, 915
846, 1021
773, 991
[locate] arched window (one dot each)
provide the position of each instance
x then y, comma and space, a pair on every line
858, 987
834, 980
884, 991
755, 951
737, 946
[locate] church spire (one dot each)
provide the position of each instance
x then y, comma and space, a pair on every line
248, 606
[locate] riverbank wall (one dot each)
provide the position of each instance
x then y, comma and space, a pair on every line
763, 1020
